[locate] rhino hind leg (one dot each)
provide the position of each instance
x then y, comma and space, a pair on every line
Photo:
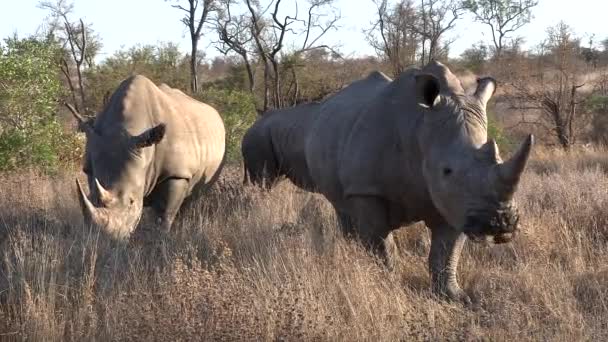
446, 247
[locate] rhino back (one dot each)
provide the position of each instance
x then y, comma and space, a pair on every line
380, 156
332, 128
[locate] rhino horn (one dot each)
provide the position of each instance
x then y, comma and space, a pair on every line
105, 196
91, 214
510, 171
489, 151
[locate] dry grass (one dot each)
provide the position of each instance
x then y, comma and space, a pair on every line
246, 265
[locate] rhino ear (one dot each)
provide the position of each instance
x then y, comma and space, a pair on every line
84, 125
150, 137
485, 89
427, 90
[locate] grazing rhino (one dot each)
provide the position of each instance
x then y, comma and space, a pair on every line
274, 147
387, 153
150, 146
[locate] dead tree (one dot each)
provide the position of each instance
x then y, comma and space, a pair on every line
557, 106
79, 51
504, 17
392, 36
269, 36
314, 31
195, 22
437, 17
234, 35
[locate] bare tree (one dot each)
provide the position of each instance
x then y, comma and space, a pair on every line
504, 17
555, 93
79, 49
392, 34
269, 34
234, 35
195, 19
314, 31
437, 18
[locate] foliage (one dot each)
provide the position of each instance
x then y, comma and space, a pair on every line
496, 132
475, 57
598, 106
30, 135
162, 63
237, 109
504, 17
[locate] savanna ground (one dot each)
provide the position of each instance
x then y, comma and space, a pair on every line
247, 265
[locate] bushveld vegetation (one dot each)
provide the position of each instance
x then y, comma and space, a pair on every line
242, 264
247, 265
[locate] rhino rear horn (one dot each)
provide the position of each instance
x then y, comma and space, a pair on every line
105, 196
427, 90
489, 151
511, 170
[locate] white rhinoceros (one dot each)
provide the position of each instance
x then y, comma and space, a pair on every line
150, 146
387, 153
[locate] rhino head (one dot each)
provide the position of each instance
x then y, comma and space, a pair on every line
468, 182
116, 167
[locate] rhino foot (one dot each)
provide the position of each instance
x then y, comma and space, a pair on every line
456, 294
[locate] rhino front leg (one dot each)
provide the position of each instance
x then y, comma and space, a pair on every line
169, 200
446, 246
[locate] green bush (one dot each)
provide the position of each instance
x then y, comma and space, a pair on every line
237, 109
30, 135
496, 132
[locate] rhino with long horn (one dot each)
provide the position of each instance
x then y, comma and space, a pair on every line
387, 153
150, 146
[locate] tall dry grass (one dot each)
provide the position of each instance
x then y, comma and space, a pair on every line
247, 265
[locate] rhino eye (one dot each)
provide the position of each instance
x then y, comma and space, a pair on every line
447, 171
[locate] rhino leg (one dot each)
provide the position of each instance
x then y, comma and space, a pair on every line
169, 199
446, 246
371, 225
345, 223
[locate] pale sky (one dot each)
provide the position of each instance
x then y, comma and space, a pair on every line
124, 23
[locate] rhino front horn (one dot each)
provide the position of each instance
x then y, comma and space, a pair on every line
89, 211
511, 170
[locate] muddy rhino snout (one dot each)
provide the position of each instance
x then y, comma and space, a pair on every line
501, 224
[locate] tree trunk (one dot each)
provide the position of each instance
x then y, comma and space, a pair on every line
194, 65
296, 91
250, 74
277, 84
266, 85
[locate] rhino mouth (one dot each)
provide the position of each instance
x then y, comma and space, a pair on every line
500, 226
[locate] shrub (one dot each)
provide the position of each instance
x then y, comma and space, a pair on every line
30, 135
237, 109
496, 132
598, 106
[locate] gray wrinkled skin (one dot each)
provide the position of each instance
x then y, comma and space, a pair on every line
150, 146
273, 147
389, 153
